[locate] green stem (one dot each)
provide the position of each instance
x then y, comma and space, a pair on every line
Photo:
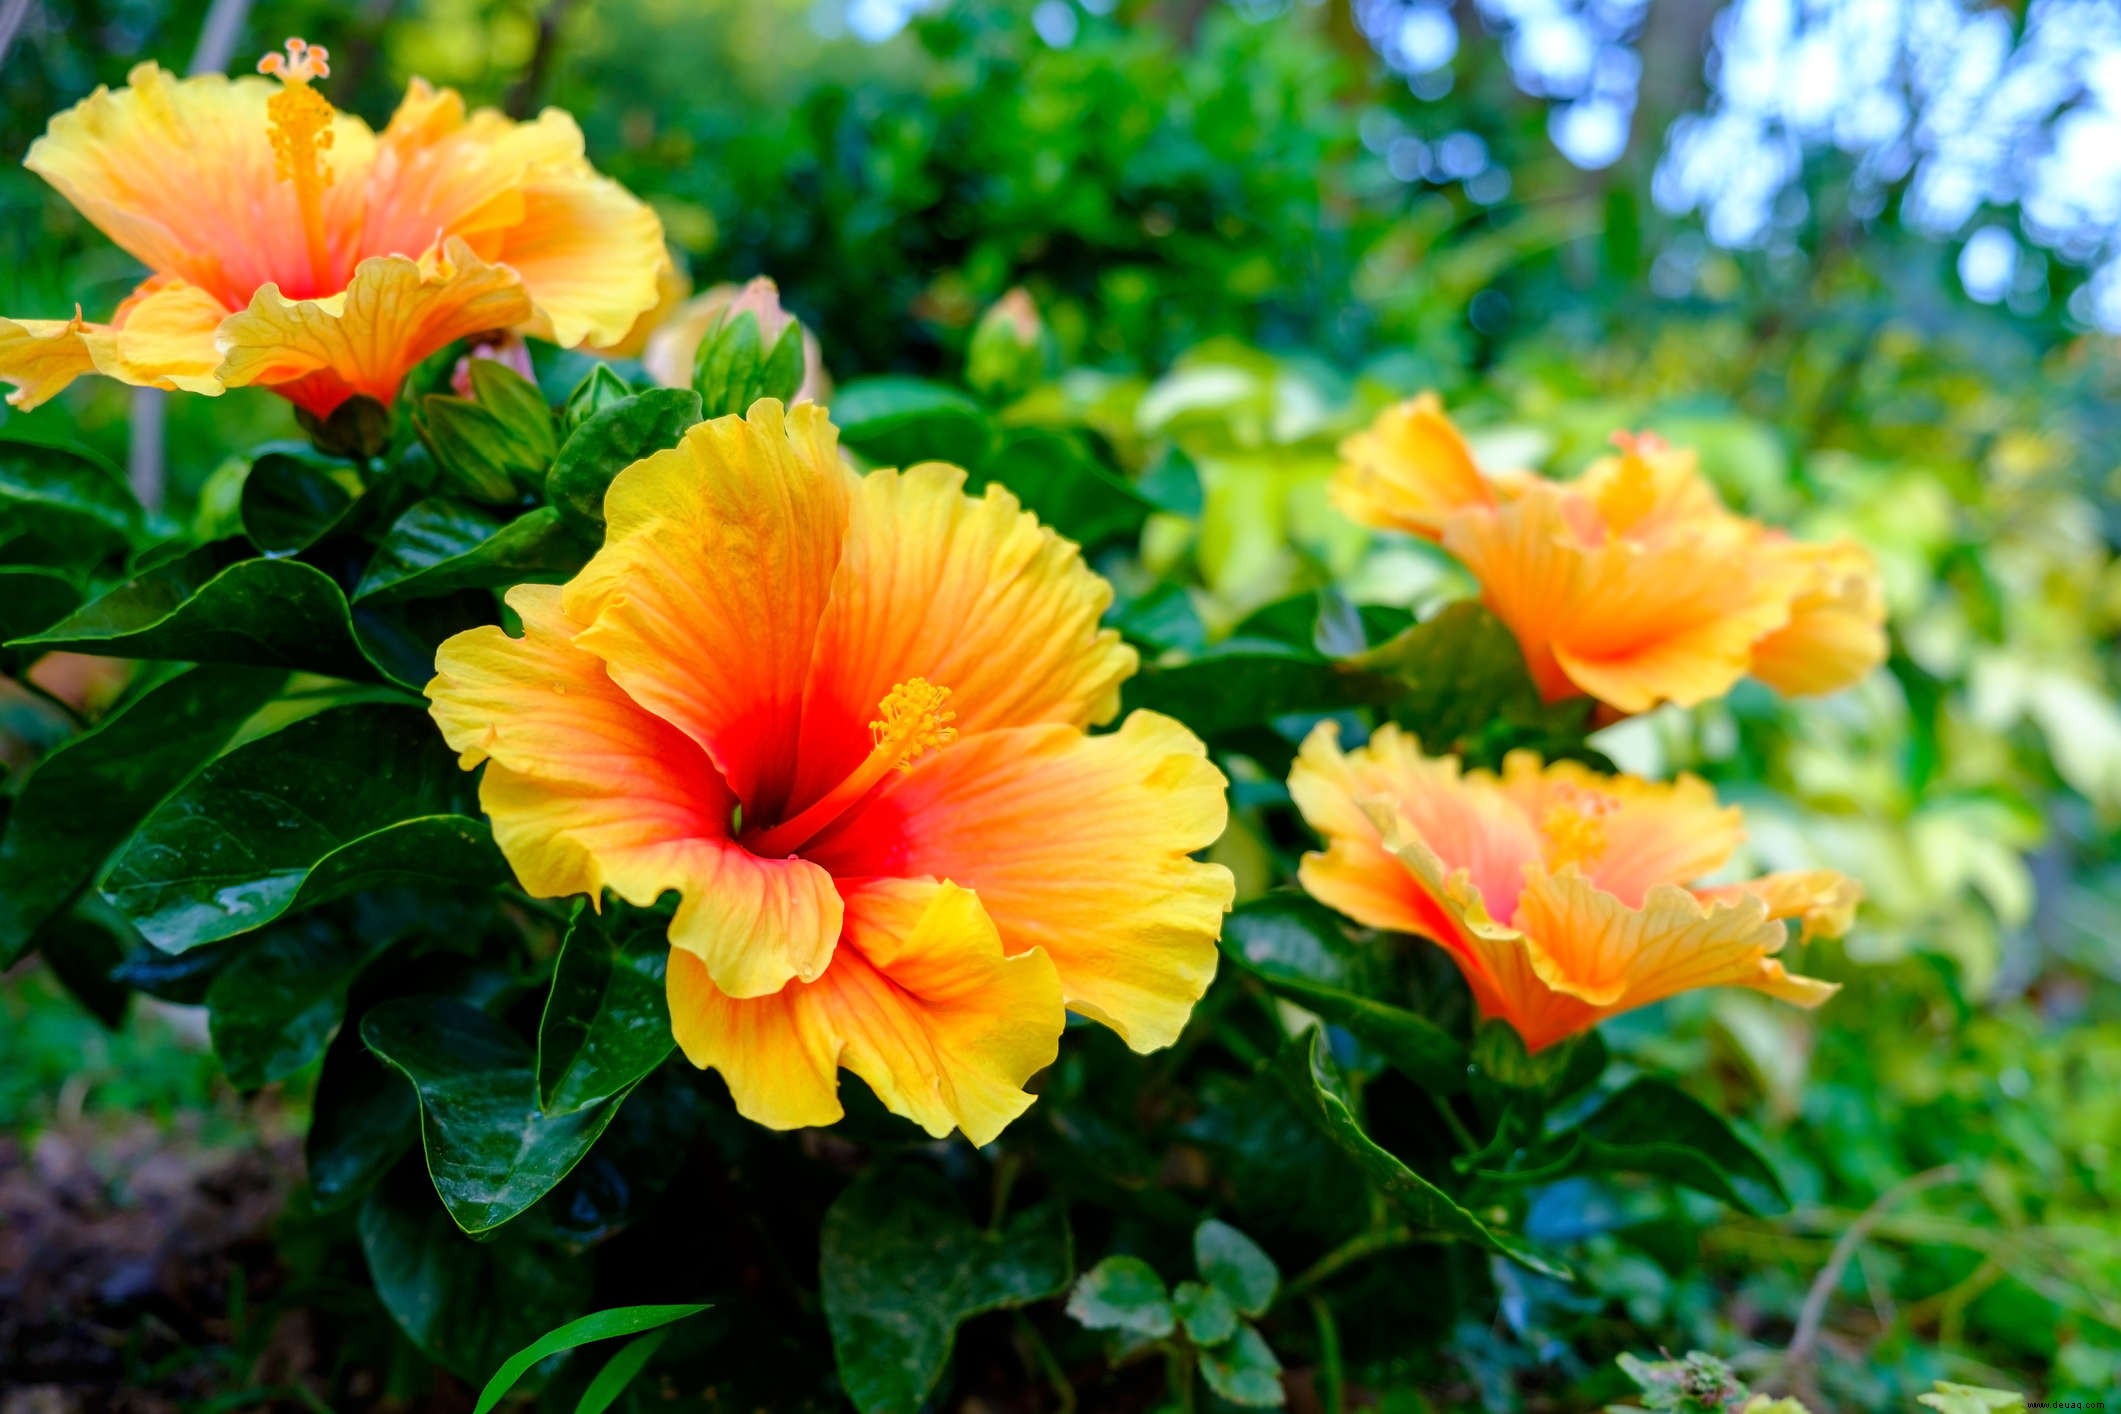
1355, 1249
1332, 1382
1005, 1172
1457, 1126
1178, 1375
1042, 1356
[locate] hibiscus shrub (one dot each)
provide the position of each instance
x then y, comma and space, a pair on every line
540, 726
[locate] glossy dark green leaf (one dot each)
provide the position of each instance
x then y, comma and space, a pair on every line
289, 504
1654, 1127
1172, 483
599, 389
274, 1009
490, 1150
86, 796
183, 978
1308, 1071
441, 546
598, 1325
1459, 683
202, 609
1207, 1314
619, 1372
1322, 622
352, 798
1244, 1371
62, 508
467, 1305
895, 421
902, 1266
1226, 690
1301, 951
363, 1118
1162, 620
1122, 1294
399, 637
1058, 480
1236, 1266
606, 1023
612, 440
31, 601
85, 948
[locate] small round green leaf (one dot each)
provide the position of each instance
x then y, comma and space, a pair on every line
1122, 1294
1236, 1266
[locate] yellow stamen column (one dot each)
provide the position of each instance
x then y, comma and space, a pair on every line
301, 131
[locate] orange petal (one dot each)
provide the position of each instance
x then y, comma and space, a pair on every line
1836, 630
180, 174
1408, 470
41, 356
319, 352
1641, 833
705, 600
586, 790
1531, 567
1077, 846
1463, 820
163, 337
1822, 901
919, 1001
971, 594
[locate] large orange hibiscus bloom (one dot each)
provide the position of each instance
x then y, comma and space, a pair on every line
842, 718
293, 247
1633, 583
1562, 894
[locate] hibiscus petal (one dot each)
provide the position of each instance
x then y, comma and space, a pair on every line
1836, 629
972, 594
587, 790
920, 1001
319, 352
163, 337
1408, 470
1649, 832
705, 600
180, 174
1822, 901
1077, 845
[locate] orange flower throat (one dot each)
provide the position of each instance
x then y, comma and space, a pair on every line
914, 722
301, 121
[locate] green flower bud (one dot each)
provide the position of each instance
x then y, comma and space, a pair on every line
1007, 356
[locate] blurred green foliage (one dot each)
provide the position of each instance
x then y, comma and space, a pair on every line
1197, 200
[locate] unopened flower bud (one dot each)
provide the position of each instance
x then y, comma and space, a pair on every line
1007, 355
736, 345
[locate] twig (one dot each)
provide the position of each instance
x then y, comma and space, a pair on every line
1812, 1314
12, 14
1355, 1249
1332, 1381
1042, 1356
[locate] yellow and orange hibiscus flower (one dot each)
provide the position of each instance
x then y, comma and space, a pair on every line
293, 247
843, 719
1561, 894
1633, 583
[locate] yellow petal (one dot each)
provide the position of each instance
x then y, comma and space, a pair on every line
1531, 567
319, 352
1408, 470
1822, 901
971, 594
41, 356
586, 790
1836, 630
705, 600
1077, 846
1641, 833
671, 287
163, 337
180, 173
1463, 820
589, 252
920, 1001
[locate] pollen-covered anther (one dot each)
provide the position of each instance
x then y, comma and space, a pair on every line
914, 722
300, 125
1574, 826
302, 62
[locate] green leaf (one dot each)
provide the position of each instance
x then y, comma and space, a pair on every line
289, 504
1236, 1266
1307, 1070
31, 601
467, 1305
1654, 1127
62, 508
896, 421
515, 402
1227, 690
612, 440
600, 1325
1062, 484
362, 1120
1949, 1398
441, 546
599, 389
1122, 1294
201, 609
901, 1267
1209, 1317
490, 1150
1461, 686
273, 1010
82, 800
402, 636
1161, 620
1301, 951
85, 948
606, 1023
183, 978
1244, 1371
1172, 483
472, 448
620, 1371
352, 798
